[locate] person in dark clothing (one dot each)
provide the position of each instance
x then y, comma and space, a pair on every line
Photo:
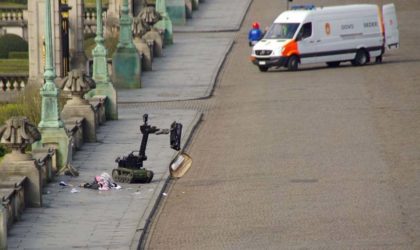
254, 34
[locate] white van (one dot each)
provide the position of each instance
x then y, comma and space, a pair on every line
356, 33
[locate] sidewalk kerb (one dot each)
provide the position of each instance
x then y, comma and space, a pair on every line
153, 204
208, 93
237, 26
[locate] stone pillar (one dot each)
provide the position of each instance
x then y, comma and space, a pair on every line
101, 77
176, 11
165, 24
28, 168
36, 34
126, 66
78, 58
77, 83
16, 134
114, 7
51, 125
3, 227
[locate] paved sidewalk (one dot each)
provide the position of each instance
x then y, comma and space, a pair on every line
216, 16
91, 219
103, 219
187, 71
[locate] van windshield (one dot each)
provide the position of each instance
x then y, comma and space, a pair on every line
281, 31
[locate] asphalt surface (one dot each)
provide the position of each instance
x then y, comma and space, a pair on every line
316, 159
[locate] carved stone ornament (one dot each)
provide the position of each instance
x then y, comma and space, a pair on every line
147, 17
17, 133
77, 83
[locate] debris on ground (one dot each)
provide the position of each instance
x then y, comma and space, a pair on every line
103, 182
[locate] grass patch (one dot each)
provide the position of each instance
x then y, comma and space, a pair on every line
110, 44
12, 5
20, 66
28, 104
18, 55
92, 3
11, 42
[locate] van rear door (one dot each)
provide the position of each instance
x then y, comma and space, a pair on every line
392, 36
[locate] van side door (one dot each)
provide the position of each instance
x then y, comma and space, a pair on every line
392, 36
307, 43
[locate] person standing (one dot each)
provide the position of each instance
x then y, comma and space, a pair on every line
254, 34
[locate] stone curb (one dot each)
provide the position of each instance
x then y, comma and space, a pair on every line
216, 73
152, 206
210, 89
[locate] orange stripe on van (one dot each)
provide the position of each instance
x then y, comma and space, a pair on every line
381, 20
290, 48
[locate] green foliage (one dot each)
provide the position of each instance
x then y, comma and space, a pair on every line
92, 3
14, 66
29, 105
13, 4
3, 150
9, 110
11, 42
18, 55
23, 2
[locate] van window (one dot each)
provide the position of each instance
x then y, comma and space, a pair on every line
282, 31
305, 31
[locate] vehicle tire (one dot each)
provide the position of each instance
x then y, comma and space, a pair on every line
333, 64
293, 63
263, 68
361, 58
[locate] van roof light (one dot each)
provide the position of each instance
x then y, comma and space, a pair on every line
303, 7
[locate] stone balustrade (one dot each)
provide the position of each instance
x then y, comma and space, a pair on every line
16, 189
13, 197
11, 85
47, 162
13, 202
13, 15
14, 20
90, 20
3, 227
75, 125
74, 128
98, 103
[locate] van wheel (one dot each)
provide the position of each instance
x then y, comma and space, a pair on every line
263, 68
333, 64
361, 58
293, 63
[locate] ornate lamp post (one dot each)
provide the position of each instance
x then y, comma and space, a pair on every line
126, 65
100, 53
104, 86
50, 116
165, 24
51, 125
126, 37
